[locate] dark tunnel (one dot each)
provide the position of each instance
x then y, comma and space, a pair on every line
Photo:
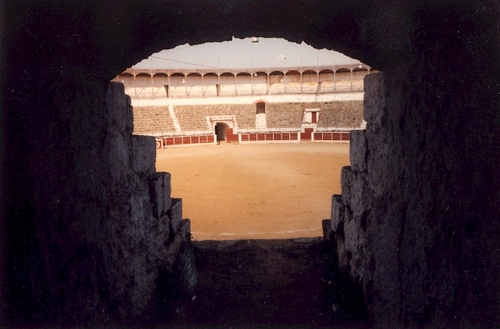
87, 224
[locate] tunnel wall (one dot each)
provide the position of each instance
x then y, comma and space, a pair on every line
427, 242
415, 222
100, 223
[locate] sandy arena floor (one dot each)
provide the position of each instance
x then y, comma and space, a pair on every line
255, 191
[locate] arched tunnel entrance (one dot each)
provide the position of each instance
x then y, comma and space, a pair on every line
221, 130
80, 216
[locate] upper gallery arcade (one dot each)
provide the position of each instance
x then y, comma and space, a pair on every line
214, 82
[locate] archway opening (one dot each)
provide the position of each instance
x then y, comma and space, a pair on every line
267, 110
221, 131
260, 108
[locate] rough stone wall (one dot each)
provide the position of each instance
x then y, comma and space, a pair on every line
245, 115
347, 114
414, 221
149, 119
98, 205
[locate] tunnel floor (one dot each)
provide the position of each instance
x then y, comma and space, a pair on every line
266, 283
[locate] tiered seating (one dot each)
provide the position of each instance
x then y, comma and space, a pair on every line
284, 115
357, 85
245, 115
191, 118
243, 89
177, 92
309, 87
327, 87
293, 88
227, 90
260, 89
159, 92
152, 119
130, 91
197, 91
210, 91
279, 116
347, 114
194, 91
277, 88
343, 85
143, 92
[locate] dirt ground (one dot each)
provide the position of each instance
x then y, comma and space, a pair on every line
265, 284
255, 191
256, 212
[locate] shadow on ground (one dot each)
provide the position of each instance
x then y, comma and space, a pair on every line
266, 283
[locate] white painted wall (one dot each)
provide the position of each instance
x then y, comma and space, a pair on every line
248, 99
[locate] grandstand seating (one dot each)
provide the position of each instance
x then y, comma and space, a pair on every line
327, 87
309, 87
278, 117
227, 90
194, 91
159, 91
242, 89
277, 88
130, 91
193, 117
210, 91
152, 119
348, 114
343, 85
293, 88
245, 115
357, 85
284, 115
275, 118
260, 89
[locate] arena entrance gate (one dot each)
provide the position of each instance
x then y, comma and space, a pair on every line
307, 134
222, 131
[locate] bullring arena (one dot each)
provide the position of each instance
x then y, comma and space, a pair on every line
254, 139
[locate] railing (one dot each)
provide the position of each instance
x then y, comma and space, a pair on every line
229, 91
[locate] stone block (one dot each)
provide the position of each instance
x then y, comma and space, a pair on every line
347, 176
337, 213
184, 230
119, 108
175, 214
159, 191
143, 155
327, 231
118, 154
342, 254
353, 234
163, 231
358, 150
356, 193
182, 235
374, 98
